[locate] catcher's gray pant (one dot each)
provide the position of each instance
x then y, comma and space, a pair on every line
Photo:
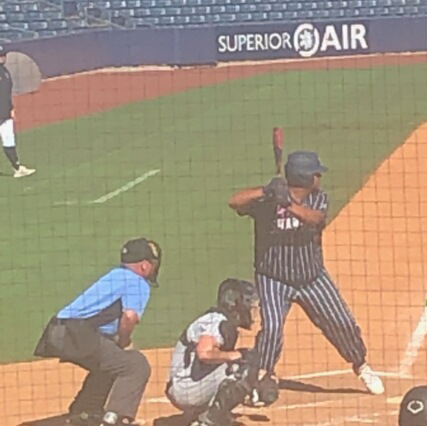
194, 396
120, 375
322, 303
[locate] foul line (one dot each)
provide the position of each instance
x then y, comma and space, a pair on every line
112, 194
126, 187
414, 345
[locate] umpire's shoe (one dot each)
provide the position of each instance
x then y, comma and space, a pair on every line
113, 419
84, 419
371, 380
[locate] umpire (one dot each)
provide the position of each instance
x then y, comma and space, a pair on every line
7, 116
289, 219
93, 332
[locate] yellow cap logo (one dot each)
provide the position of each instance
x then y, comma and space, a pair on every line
154, 249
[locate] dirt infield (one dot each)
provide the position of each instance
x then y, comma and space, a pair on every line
374, 249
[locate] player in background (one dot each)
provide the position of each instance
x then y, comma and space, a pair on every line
289, 219
7, 117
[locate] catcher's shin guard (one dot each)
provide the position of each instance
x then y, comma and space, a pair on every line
230, 394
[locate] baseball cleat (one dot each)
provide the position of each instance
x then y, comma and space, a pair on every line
23, 171
373, 383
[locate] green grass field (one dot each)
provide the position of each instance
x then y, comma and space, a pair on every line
206, 142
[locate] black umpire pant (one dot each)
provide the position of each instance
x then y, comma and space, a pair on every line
116, 383
116, 377
322, 303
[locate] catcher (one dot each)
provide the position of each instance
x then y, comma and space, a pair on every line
208, 376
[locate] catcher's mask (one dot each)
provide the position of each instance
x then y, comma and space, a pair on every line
301, 168
237, 298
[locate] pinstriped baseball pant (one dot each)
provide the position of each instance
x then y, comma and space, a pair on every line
324, 306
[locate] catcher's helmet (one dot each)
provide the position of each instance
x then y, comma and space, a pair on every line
413, 408
236, 298
301, 167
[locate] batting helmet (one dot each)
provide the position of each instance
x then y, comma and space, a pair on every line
301, 168
236, 298
413, 408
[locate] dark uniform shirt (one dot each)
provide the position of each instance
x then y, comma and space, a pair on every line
286, 248
6, 105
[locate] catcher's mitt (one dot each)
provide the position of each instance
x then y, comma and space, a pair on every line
265, 393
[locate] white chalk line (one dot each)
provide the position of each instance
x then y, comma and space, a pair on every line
112, 194
164, 400
125, 187
414, 345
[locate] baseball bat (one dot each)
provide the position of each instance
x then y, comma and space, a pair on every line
278, 145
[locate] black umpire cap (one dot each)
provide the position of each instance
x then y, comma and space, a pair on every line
413, 408
139, 249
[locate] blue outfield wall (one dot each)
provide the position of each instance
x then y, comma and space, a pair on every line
209, 45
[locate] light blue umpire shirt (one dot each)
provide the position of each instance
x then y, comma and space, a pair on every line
120, 285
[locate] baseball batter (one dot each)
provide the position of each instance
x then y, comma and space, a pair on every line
7, 115
289, 219
208, 376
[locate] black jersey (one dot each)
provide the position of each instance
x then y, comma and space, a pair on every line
6, 105
286, 248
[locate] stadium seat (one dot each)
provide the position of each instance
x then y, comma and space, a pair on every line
166, 20
47, 33
411, 10
148, 3
10, 35
262, 7
182, 20
228, 17
279, 6
16, 17
118, 4
125, 13
38, 25
12, 7
23, 26
58, 24
197, 19
146, 22
290, 15
234, 8
200, 10
248, 8
163, 3
3, 17
275, 16
294, 6
27, 7
259, 16
34, 16
133, 3
320, 14
141, 12
51, 14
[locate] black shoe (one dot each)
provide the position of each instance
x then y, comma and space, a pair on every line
85, 419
